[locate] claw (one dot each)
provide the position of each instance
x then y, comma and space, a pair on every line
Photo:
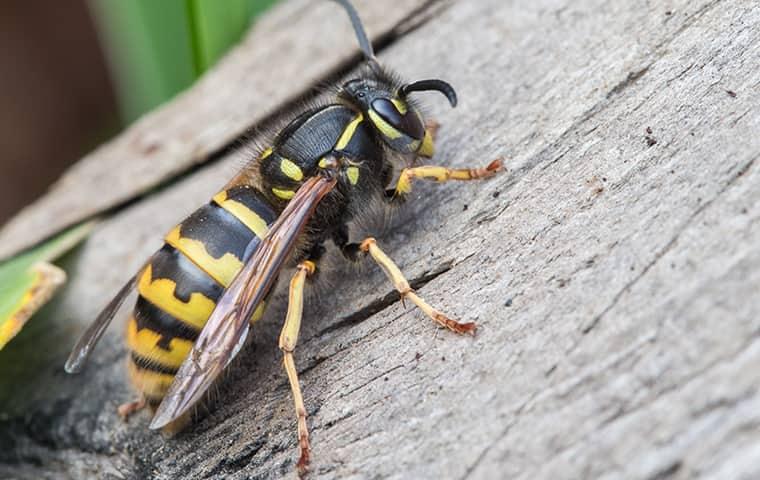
496, 165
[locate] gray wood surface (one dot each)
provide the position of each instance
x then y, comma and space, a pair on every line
614, 271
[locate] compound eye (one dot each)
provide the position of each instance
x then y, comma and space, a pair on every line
407, 122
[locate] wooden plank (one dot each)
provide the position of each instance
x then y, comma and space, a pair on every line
614, 278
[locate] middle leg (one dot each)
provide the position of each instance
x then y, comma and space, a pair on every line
394, 274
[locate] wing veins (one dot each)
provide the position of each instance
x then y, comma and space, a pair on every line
217, 342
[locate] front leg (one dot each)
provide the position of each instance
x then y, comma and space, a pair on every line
440, 174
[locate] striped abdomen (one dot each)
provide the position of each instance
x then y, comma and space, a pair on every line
179, 287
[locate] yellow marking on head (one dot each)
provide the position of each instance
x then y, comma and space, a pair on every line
283, 194
426, 148
353, 175
265, 153
251, 219
160, 292
322, 163
385, 128
291, 170
152, 384
258, 313
348, 132
144, 342
400, 105
222, 270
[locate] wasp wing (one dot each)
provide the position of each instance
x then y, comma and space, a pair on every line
83, 348
226, 328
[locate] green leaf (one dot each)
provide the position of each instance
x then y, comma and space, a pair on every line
216, 25
147, 43
28, 281
157, 48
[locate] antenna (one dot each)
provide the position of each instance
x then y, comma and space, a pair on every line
361, 35
433, 84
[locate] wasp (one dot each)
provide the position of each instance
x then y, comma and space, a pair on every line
201, 292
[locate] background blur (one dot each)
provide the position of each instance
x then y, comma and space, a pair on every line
76, 72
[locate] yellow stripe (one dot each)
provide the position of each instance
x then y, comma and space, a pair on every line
160, 292
384, 127
291, 170
144, 342
353, 175
223, 270
251, 219
349, 131
153, 384
284, 194
400, 106
265, 153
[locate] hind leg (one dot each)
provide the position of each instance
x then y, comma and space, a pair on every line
126, 410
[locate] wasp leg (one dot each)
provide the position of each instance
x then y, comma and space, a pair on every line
125, 410
288, 340
440, 174
369, 245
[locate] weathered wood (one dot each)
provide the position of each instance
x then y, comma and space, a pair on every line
288, 51
614, 272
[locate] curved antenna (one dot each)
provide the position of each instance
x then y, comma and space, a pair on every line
361, 35
433, 84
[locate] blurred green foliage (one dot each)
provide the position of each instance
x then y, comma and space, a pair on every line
157, 48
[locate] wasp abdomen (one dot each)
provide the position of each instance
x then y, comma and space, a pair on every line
182, 282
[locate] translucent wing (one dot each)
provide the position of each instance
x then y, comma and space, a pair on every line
222, 335
81, 351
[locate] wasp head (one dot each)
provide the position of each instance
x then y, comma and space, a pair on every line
397, 120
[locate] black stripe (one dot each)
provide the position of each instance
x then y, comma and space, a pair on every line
171, 264
254, 200
219, 231
153, 318
151, 365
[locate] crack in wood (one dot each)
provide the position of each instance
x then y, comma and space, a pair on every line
384, 302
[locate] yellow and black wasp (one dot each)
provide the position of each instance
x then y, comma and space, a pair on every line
201, 291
